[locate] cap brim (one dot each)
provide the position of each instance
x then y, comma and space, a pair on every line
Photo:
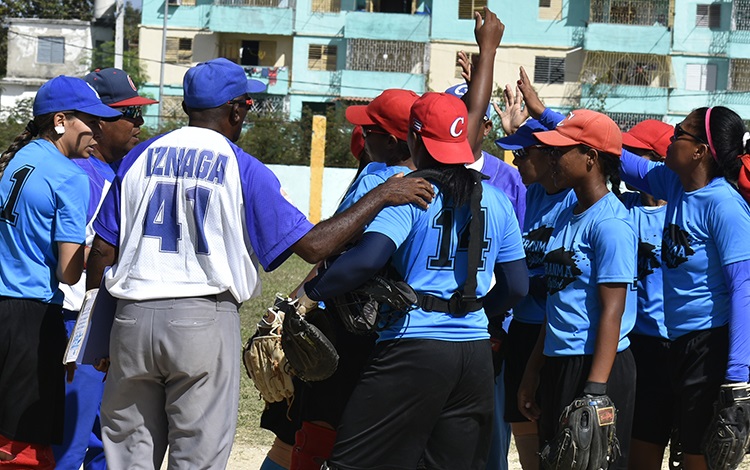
101, 111
555, 139
358, 116
255, 86
631, 141
449, 152
134, 101
516, 142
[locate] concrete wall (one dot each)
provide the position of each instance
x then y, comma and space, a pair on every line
295, 180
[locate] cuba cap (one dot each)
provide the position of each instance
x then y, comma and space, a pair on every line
650, 135
64, 93
524, 136
460, 90
441, 120
116, 88
585, 127
218, 81
389, 111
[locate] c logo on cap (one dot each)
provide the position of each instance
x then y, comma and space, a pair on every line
455, 132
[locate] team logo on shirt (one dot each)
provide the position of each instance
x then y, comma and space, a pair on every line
648, 259
560, 269
675, 246
535, 244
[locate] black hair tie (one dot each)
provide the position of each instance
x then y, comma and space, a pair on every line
32, 128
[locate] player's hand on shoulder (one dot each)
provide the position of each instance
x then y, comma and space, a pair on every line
398, 190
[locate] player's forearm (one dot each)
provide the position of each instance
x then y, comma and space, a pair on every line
102, 254
612, 301
738, 281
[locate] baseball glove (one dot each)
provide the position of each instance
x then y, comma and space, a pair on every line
264, 358
728, 437
311, 355
380, 298
586, 438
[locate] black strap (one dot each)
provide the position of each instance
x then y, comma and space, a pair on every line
461, 304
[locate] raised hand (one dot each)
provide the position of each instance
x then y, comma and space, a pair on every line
534, 105
490, 32
466, 66
514, 114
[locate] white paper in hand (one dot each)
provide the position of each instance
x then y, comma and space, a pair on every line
79, 336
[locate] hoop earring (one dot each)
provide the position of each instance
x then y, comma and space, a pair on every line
60, 129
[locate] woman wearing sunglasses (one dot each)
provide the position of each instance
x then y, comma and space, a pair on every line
590, 265
43, 201
706, 263
544, 201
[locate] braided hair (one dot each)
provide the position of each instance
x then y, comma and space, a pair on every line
41, 125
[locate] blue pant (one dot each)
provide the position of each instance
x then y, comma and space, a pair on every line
82, 444
500, 444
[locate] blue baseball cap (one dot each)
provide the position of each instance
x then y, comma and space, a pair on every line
460, 90
213, 83
64, 93
116, 88
524, 136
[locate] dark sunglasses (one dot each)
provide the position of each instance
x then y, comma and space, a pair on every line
372, 130
247, 101
523, 153
132, 112
679, 132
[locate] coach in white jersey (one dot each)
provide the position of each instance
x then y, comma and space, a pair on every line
186, 222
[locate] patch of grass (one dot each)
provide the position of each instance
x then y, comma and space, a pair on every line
283, 279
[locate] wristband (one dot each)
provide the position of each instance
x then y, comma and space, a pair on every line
595, 388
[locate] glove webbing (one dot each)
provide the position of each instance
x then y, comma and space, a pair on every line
468, 301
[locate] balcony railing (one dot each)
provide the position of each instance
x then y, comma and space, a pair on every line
630, 12
257, 3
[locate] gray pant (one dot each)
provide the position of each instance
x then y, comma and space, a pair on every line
173, 381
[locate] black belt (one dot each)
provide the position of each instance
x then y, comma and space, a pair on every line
456, 305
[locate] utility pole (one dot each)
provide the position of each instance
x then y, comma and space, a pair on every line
163, 58
119, 32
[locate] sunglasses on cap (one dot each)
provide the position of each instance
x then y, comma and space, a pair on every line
247, 101
679, 132
132, 112
523, 153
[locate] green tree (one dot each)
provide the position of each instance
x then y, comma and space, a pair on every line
51, 9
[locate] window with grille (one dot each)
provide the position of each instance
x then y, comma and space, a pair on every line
741, 15
627, 120
545, 3
179, 50
50, 50
617, 68
385, 56
321, 57
634, 12
549, 70
459, 69
466, 8
708, 15
739, 74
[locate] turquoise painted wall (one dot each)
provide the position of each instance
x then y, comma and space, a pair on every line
627, 38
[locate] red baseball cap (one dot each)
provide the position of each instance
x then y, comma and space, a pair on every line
586, 127
441, 120
358, 142
650, 135
389, 111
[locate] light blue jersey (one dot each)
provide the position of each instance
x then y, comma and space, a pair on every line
648, 223
372, 176
542, 210
43, 200
595, 247
431, 256
704, 230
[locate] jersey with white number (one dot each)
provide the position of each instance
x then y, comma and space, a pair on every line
192, 215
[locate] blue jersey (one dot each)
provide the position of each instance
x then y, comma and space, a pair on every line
100, 176
431, 255
648, 223
193, 215
704, 230
594, 247
542, 210
373, 175
507, 179
43, 201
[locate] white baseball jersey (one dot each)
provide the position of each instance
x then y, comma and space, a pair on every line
192, 215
